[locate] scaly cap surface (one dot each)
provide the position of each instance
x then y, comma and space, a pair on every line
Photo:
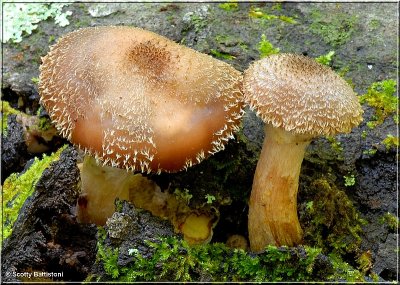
297, 94
136, 100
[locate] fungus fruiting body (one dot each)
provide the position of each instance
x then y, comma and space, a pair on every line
138, 101
298, 99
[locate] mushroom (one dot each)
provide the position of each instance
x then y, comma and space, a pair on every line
135, 100
298, 99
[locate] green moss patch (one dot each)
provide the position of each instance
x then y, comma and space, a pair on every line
335, 30
333, 223
326, 59
258, 13
221, 55
265, 47
172, 259
391, 221
231, 6
390, 142
382, 97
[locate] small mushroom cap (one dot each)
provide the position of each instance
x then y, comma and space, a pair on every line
136, 100
300, 95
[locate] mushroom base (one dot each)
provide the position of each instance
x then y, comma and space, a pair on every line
101, 185
273, 203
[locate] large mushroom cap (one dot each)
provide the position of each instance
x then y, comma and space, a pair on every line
297, 94
136, 100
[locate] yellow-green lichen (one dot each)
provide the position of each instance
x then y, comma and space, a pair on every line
23, 18
18, 187
5, 112
382, 97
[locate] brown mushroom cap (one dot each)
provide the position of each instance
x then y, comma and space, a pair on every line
298, 94
136, 100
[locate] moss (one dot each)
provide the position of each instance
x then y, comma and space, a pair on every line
332, 222
364, 261
195, 20
374, 24
334, 30
222, 39
349, 180
382, 97
230, 41
210, 198
326, 58
5, 112
370, 152
336, 147
342, 73
172, 259
35, 80
38, 130
258, 13
44, 124
364, 135
344, 271
390, 220
51, 40
232, 171
229, 6
107, 255
265, 47
390, 142
277, 6
221, 55
18, 187
183, 196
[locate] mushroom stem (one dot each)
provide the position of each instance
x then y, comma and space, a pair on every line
100, 185
273, 202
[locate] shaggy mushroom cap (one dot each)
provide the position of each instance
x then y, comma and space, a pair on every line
300, 95
136, 100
